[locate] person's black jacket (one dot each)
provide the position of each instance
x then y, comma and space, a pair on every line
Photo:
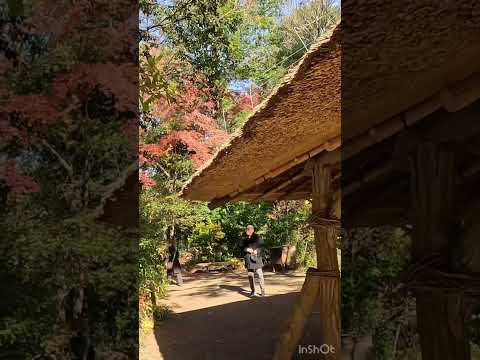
174, 256
253, 262
80, 312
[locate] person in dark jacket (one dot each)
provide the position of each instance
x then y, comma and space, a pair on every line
252, 247
80, 310
176, 268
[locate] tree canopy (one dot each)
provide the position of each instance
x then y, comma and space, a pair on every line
68, 124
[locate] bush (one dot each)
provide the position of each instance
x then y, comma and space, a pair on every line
207, 243
46, 260
372, 260
161, 313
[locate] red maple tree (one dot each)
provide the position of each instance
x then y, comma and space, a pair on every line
192, 111
246, 100
27, 116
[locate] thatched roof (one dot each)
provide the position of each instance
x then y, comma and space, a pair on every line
399, 63
396, 54
302, 113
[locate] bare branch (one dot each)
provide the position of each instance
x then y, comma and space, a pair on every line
114, 186
67, 166
164, 171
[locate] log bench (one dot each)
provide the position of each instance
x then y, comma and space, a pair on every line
212, 266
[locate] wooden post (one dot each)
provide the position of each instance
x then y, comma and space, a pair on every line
327, 262
301, 311
441, 316
322, 283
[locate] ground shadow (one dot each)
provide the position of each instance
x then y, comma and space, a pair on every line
218, 290
234, 331
238, 289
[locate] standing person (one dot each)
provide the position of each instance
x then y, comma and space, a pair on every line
252, 247
173, 264
80, 310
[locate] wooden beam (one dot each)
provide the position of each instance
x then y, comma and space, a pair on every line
255, 197
385, 169
380, 212
471, 170
377, 217
286, 195
454, 127
386, 197
326, 158
332, 145
329, 145
297, 195
454, 98
373, 175
462, 93
215, 203
446, 128
336, 208
281, 186
296, 189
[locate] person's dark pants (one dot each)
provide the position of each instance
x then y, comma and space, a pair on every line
179, 277
251, 279
82, 348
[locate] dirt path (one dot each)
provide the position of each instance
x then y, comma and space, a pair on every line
214, 319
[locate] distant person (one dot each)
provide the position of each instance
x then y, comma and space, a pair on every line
252, 247
173, 264
79, 306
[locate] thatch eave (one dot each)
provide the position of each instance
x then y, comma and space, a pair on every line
278, 134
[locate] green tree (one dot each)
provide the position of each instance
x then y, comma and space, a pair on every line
304, 24
199, 31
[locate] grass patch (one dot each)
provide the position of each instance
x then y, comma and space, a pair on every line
161, 313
